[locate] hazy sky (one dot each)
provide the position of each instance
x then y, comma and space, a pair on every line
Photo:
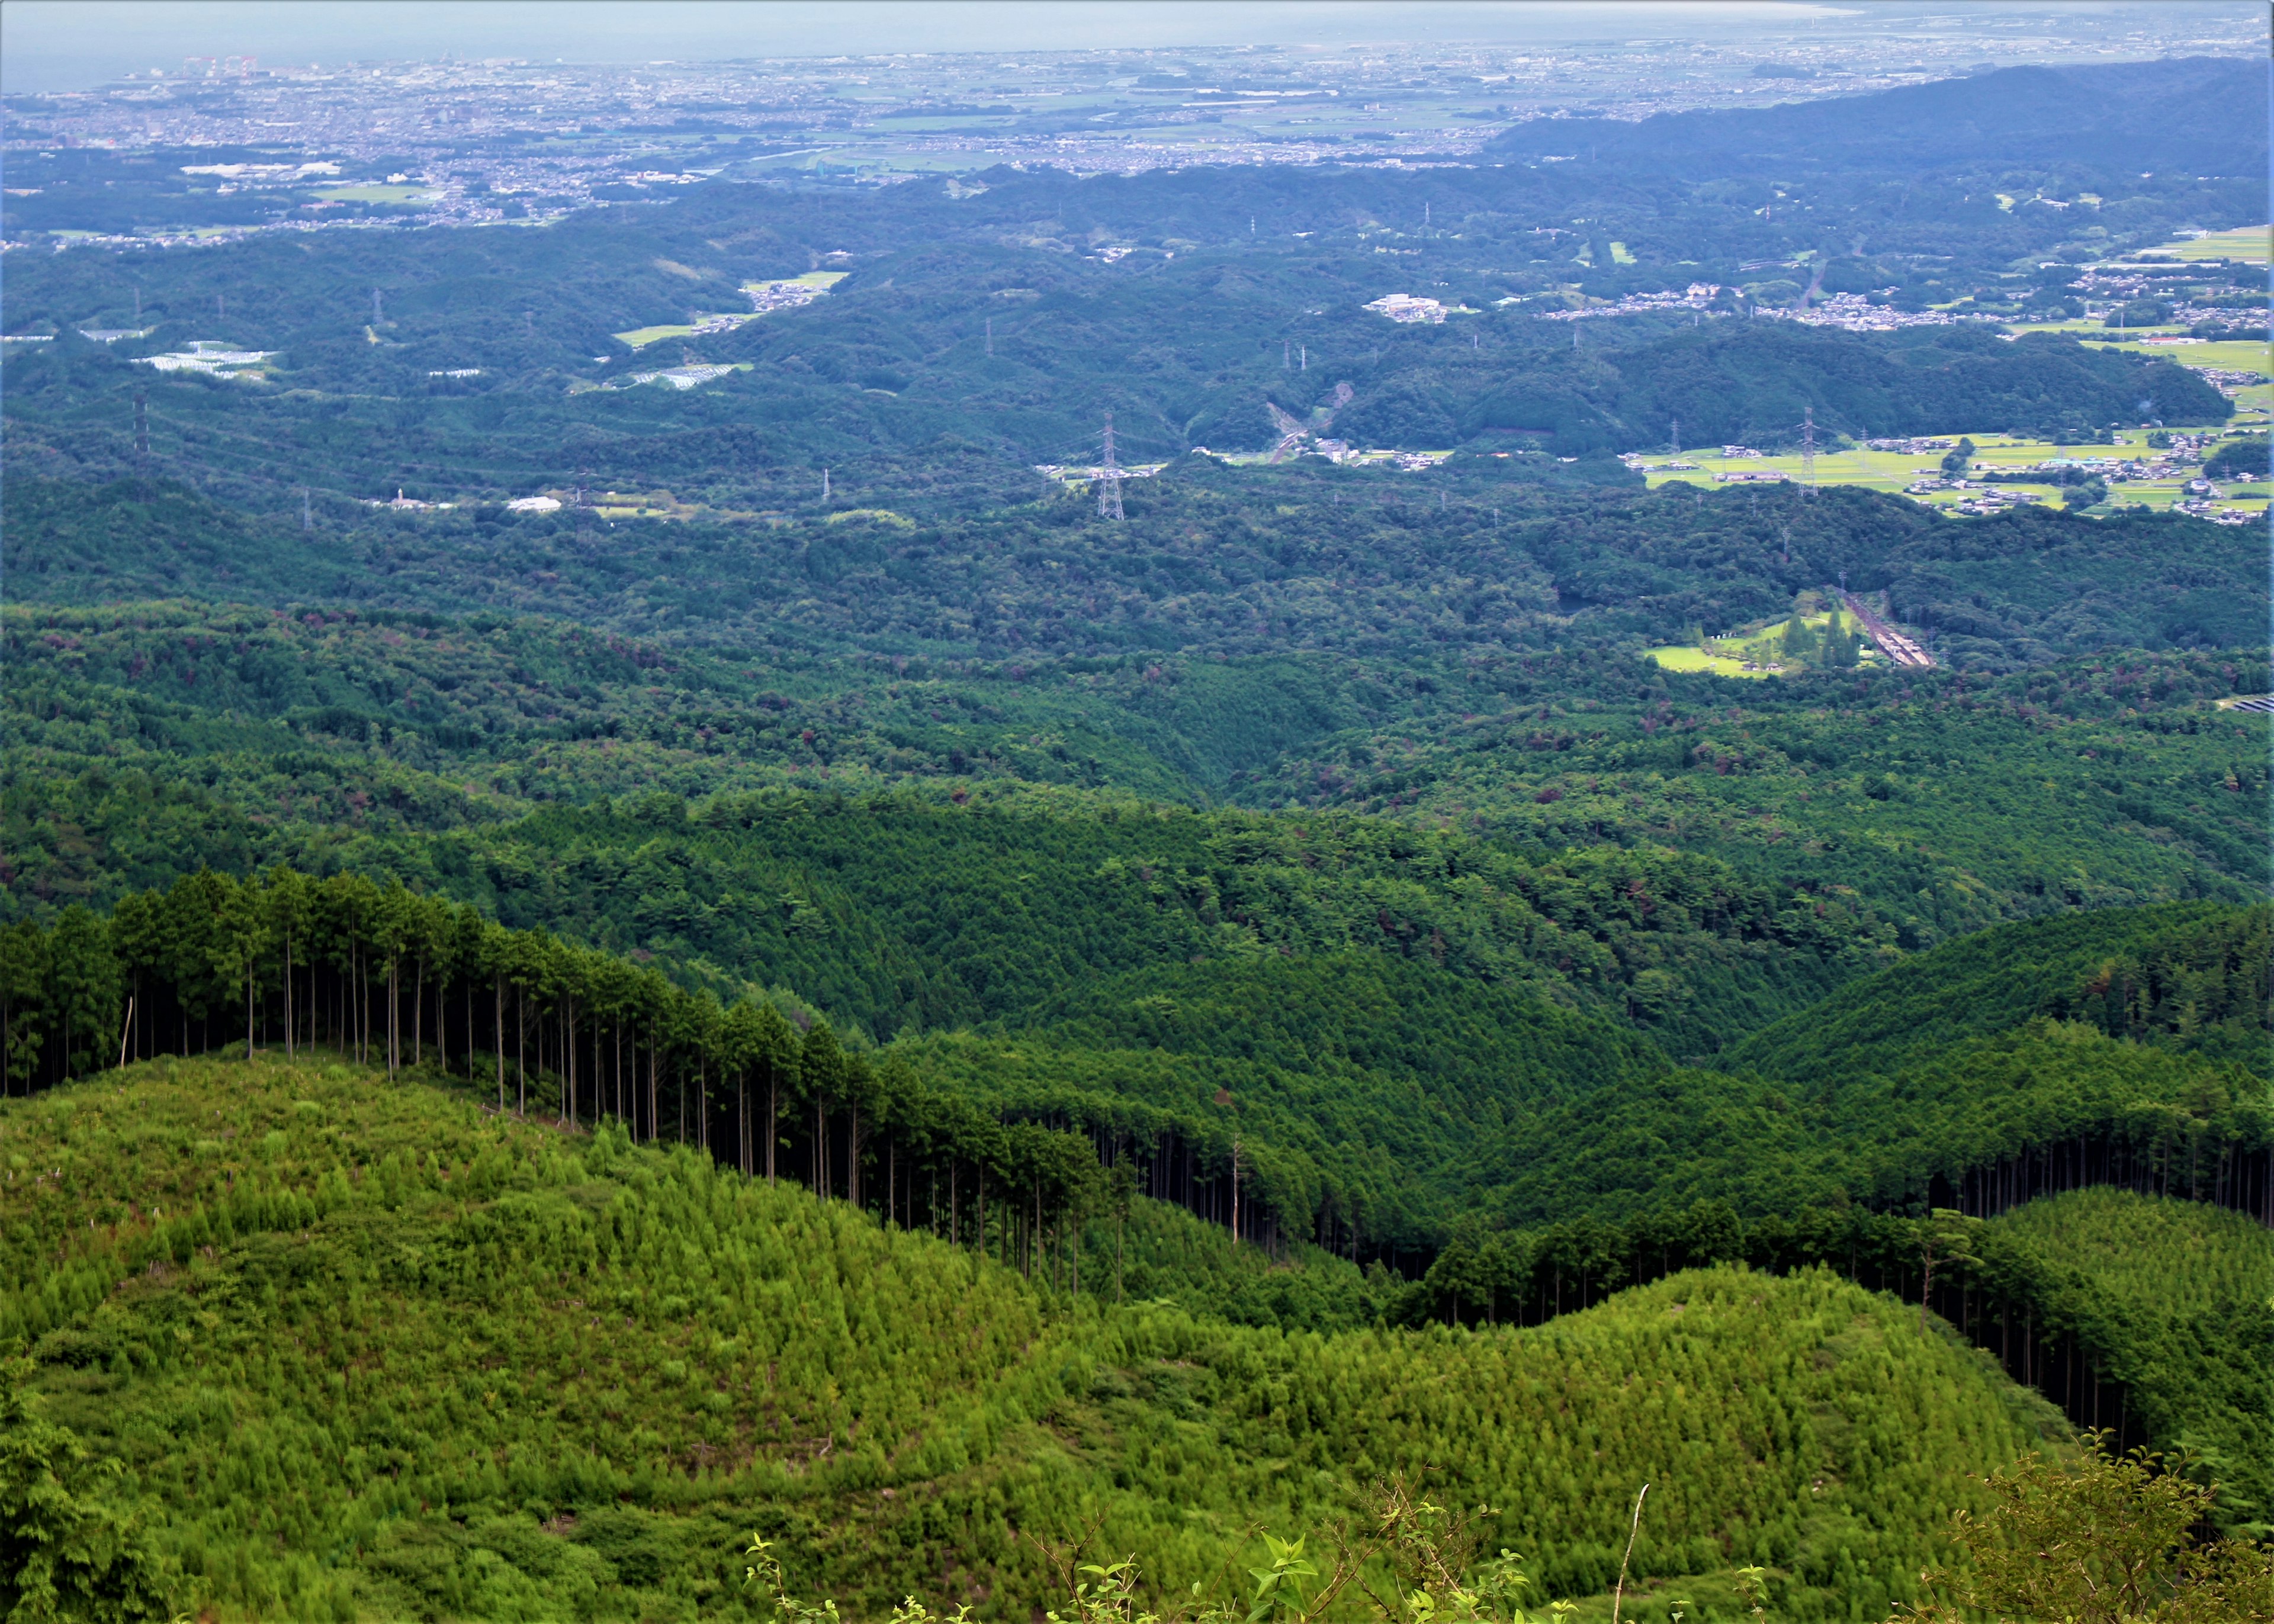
73, 44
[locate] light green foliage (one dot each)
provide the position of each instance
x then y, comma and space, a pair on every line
2099, 1540
520, 1370
66, 1552
2175, 1299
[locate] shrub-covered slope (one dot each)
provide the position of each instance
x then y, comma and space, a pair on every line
367, 1350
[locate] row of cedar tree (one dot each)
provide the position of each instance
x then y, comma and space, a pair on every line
391, 977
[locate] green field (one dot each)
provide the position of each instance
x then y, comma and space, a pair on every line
1893, 470
1677, 657
640, 338
2243, 243
379, 194
2240, 356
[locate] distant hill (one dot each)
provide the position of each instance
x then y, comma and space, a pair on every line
2203, 114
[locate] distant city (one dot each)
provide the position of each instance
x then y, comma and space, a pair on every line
256, 146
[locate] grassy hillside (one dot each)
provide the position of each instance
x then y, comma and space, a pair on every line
368, 1350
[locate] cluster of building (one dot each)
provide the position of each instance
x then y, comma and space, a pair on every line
785, 294
203, 355
1854, 313
1983, 502
1911, 447
678, 377
2229, 381
1697, 297
1409, 307
1070, 473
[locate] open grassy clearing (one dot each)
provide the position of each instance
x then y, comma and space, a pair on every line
1753, 649
1680, 658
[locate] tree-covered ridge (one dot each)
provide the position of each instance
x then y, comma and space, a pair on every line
2192, 976
541, 712
2200, 113
1483, 560
1946, 803
601, 1359
1366, 1102
149, 741
2140, 1313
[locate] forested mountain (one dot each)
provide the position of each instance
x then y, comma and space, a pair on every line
834, 975
2207, 114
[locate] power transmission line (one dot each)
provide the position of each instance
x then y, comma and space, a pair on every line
1109, 478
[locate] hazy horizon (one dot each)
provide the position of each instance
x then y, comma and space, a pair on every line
64, 45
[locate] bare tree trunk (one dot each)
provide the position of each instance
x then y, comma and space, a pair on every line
497, 1035
1235, 1191
288, 995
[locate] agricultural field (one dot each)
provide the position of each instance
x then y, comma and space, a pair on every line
2243, 243
640, 338
2240, 356
1895, 471
403, 195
